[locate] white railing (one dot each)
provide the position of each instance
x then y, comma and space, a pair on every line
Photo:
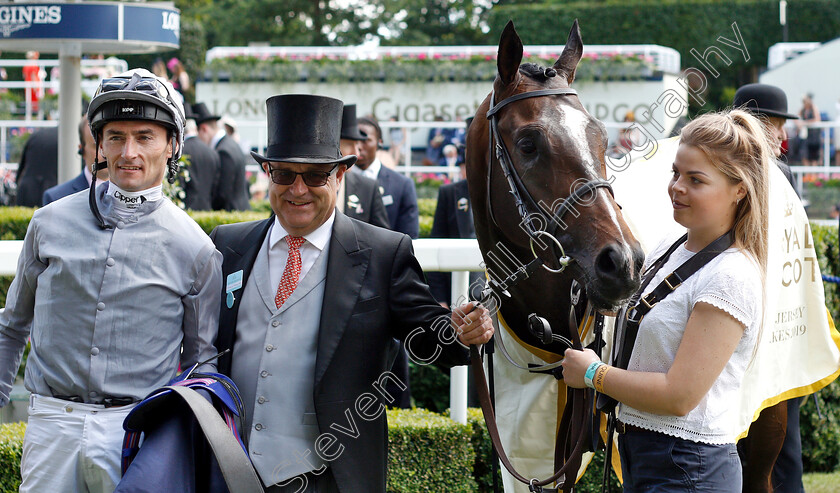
92, 69
458, 256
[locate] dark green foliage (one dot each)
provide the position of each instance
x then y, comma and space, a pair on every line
428, 453
821, 430
483, 452
11, 447
681, 25
429, 387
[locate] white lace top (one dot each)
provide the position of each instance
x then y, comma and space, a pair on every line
732, 282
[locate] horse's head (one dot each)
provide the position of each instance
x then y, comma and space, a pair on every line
556, 151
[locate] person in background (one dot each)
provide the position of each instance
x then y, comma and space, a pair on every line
450, 156
87, 150
769, 104
232, 191
180, 78
398, 136
438, 138
453, 219
159, 68
398, 192
358, 196
310, 339
204, 168
809, 114
38, 167
762, 451
400, 199
3, 76
117, 288
677, 425
34, 74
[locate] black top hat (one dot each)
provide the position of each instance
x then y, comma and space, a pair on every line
201, 114
763, 99
188, 112
349, 124
304, 129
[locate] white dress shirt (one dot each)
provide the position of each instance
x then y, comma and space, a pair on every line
278, 250
372, 171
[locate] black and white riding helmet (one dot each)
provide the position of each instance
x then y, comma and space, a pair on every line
139, 95
135, 95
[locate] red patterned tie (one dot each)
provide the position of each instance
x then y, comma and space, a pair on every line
291, 273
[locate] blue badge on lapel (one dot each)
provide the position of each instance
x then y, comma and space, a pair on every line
234, 282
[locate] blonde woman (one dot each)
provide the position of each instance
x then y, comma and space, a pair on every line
678, 424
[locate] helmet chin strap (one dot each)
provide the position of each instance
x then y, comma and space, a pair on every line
94, 207
172, 165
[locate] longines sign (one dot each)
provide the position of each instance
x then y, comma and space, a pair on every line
89, 22
413, 102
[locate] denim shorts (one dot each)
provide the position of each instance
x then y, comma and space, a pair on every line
655, 462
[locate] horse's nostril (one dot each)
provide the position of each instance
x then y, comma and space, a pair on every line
610, 261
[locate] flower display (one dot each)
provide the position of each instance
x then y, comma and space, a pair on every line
418, 67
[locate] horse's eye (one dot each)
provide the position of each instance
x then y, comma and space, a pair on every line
527, 146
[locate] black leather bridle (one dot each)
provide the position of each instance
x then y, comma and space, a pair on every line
522, 198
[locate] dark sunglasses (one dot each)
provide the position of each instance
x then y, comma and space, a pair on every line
310, 178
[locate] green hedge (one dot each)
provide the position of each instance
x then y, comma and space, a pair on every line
821, 427
429, 453
11, 447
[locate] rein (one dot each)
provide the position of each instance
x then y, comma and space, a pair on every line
525, 204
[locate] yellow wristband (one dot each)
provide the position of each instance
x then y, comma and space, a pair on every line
598, 379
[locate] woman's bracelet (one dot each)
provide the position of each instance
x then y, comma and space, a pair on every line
598, 380
590, 373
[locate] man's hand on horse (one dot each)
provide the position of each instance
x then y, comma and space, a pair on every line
472, 323
575, 363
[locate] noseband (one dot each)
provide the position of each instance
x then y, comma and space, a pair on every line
518, 189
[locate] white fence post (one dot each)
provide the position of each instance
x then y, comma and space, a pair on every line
458, 375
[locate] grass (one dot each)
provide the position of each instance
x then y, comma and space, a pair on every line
828, 482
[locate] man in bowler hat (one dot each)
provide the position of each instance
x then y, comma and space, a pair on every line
358, 196
312, 302
760, 450
232, 190
204, 168
769, 104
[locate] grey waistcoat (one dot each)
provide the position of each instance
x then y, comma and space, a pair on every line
274, 367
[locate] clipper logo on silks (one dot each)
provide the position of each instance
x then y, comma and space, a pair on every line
234, 282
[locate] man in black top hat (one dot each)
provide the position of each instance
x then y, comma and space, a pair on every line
312, 302
204, 169
358, 196
769, 103
232, 191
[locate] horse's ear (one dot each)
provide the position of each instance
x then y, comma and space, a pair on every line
510, 54
568, 61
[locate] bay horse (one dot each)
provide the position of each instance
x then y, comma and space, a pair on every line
546, 222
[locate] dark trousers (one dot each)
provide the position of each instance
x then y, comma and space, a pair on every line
653, 462
308, 483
